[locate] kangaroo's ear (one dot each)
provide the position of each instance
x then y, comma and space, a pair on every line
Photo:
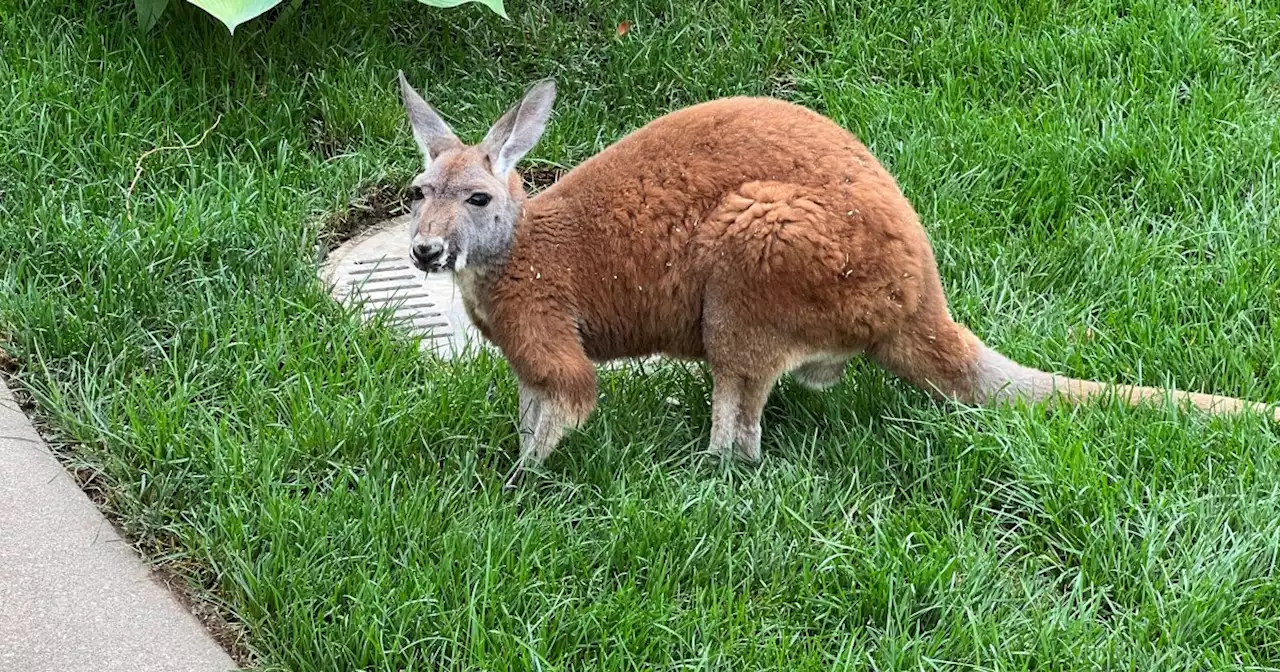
519, 129
429, 130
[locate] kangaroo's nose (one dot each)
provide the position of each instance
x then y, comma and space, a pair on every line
427, 252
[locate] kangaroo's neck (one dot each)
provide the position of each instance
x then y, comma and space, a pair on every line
475, 281
473, 284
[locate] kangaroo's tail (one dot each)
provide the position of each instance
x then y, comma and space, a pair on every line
996, 377
946, 359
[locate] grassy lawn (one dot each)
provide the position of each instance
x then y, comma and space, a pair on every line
1101, 181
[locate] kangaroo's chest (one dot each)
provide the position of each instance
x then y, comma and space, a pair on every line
469, 284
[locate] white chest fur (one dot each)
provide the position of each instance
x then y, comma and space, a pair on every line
470, 284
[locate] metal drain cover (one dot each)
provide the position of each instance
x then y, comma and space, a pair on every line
373, 270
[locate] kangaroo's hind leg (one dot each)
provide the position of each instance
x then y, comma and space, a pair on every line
935, 353
745, 364
726, 395
737, 401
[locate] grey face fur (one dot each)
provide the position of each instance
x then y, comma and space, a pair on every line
467, 199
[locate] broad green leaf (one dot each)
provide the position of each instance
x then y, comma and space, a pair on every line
234, 12
149, 12
495, 5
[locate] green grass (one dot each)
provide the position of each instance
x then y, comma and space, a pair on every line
1102, 184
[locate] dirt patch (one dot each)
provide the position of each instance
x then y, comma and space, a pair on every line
231, 635
537, 178
7, 362
376, 203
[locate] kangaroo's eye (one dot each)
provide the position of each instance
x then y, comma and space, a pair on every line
479, 199
415, 193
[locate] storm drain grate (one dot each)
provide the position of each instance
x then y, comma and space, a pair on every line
373, 271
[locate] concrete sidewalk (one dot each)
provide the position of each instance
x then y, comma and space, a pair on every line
74, 595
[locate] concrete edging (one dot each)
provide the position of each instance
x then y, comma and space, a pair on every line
74, 595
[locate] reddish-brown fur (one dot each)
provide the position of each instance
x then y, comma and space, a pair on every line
754, 234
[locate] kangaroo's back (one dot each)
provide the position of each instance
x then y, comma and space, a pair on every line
687, 160
645, 227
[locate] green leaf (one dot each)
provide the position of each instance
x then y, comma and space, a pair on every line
495, 5
234, 12
149, 12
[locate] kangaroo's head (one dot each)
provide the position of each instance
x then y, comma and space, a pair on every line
466, 200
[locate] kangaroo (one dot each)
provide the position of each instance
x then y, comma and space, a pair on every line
751, 233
